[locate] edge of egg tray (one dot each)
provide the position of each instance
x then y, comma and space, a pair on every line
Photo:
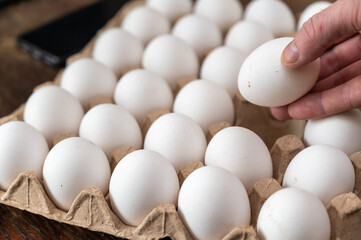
91, 209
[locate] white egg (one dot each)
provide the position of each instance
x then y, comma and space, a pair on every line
212, 202
86, 78
273, 14
247, 36
178, 138
311, 10
141, 91
170, 58
322, 170
118, 50
264, 81
200, 33
145, 23
141, 181
71, 166
341, 130
241, 152
110, 127
170, 8
205, 102
22, 148
222, 66
293, 214
224, 13
53, 110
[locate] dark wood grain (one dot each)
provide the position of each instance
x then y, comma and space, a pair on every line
19, 74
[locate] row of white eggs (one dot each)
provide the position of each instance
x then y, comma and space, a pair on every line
236, 158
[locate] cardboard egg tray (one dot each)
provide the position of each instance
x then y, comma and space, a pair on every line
91, 208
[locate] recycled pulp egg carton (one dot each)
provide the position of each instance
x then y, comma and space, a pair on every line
91, 209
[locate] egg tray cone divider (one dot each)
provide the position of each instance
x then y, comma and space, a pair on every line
91, 209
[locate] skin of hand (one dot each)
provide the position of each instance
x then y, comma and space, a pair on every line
334, 36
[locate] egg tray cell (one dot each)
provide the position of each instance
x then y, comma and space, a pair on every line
91, 209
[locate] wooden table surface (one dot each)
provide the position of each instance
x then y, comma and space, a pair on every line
19, 74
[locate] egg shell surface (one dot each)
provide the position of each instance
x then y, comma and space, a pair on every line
140, 92
178, 138
247, 36
170, 8
293, 214
118, 50
170, 58
22, 148
322, 170
341, 130
147, 179
264, 81
199, 32
224, 13
53, 110
241, 152
110, 126
86, 79
71, 166
212, 201
273, 14
145, 23
205, 102
222, 66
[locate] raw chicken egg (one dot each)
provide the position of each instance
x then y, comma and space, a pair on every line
110, 127
264, 81
140, 92
247, 36
22, 148
145, 23
170, 58
224, 13
273, 14
241, 152
293, 214
205, 102
71, 166
118, 49
86, 78
222, 66
322, 170
200, 33
141, 181
178, 138
341, 130
212, 201
170, 8
53, 110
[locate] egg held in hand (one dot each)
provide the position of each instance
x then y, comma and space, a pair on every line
264, 81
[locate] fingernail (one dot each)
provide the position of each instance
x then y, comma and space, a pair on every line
290, 54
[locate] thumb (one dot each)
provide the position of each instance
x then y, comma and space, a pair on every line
332, 25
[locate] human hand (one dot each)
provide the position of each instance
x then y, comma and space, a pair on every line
334, 36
